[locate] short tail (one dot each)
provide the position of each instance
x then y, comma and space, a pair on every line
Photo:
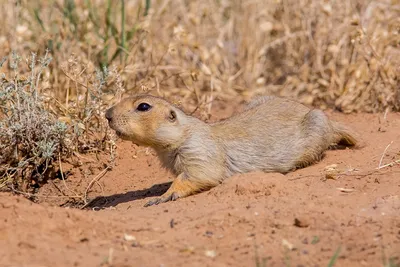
343, 136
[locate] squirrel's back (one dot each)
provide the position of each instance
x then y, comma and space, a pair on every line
276, 134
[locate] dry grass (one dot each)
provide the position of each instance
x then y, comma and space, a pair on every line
330, 54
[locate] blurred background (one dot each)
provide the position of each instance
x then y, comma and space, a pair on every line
336, 54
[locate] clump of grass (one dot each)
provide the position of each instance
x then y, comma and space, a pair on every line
36, 131
31, 137
91, 91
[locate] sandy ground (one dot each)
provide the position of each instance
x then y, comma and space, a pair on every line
304, 218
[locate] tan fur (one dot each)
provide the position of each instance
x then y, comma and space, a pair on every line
272, 135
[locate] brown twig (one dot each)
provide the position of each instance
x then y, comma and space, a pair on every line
63, 179
383, 155
95, 179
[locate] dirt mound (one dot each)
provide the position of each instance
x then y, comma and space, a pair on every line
342, 209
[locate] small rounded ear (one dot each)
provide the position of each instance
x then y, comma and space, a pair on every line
172, 115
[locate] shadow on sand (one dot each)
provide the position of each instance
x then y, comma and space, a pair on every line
113, 200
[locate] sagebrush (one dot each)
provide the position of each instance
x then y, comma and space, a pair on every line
34, 137
30, 135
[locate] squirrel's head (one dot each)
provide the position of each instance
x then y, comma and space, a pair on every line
149, 121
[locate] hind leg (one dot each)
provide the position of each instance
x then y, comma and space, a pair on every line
317, 135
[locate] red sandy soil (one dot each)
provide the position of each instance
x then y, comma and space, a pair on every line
304, 218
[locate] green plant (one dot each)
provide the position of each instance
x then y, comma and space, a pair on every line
391, 261
259, 262
112, 40
31, 137
334, 257
36, 132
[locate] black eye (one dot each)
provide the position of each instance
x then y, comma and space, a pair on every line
143, 107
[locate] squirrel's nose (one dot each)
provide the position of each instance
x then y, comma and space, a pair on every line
109, 114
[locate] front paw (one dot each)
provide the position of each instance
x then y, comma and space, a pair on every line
164, 198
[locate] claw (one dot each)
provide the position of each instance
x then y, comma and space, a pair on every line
153, 202
171, 197
174, 196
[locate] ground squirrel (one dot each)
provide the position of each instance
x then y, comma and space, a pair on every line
272, 134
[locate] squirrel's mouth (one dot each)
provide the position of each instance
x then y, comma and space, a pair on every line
123, 136
120, 134
117, 132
